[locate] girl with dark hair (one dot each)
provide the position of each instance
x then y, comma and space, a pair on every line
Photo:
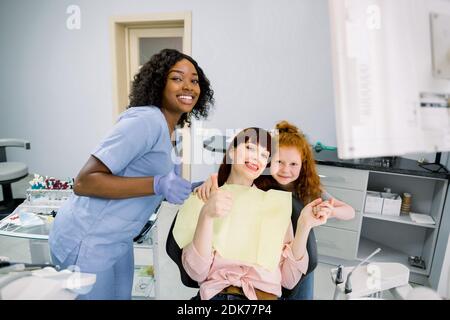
128, 175
224, 278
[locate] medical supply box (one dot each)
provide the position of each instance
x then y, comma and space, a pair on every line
374, 202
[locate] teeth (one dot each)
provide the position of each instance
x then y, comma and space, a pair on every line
185, 97
253, 166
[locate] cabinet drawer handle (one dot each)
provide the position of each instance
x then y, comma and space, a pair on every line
336, 179
327, 243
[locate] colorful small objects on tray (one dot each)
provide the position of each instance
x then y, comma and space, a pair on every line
39, 183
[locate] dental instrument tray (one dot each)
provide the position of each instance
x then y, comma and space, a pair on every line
29, 221
46, 197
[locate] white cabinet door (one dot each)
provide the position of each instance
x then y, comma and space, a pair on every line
337, 243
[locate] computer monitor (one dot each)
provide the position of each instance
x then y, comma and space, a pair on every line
391, 70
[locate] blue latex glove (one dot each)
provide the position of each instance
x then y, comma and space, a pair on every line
172, 186
196, 184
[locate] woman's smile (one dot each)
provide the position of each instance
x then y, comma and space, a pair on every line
187, 99
252, 166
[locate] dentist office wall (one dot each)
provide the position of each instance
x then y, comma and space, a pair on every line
266, 60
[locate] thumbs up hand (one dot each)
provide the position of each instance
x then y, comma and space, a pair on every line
219, 202
172, 186
204, 191
214, 182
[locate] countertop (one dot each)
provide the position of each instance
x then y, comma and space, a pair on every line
396, 164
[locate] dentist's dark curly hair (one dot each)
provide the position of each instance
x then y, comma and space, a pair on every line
149, 83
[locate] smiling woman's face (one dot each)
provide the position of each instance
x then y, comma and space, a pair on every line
286, 165
182, 88
249, 159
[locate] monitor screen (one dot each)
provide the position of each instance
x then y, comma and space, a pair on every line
391, 71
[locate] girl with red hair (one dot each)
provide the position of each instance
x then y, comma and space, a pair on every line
293, 169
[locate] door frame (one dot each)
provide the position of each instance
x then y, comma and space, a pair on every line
134, 34
119, 39
119, 26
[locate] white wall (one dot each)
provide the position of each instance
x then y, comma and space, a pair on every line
267, 61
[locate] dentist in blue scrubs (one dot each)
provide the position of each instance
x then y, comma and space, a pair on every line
128, 174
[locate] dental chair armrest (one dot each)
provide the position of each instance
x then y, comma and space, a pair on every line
15, 143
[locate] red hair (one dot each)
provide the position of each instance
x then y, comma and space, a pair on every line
307, 187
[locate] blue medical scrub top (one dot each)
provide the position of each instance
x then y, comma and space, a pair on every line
102, 230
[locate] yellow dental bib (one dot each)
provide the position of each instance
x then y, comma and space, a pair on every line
254, 230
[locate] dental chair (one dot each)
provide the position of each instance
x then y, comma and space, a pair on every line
175, 253
10, 172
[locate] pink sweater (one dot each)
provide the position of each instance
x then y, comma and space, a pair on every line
216, 273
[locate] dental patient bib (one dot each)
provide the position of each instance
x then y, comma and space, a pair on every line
253, 232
